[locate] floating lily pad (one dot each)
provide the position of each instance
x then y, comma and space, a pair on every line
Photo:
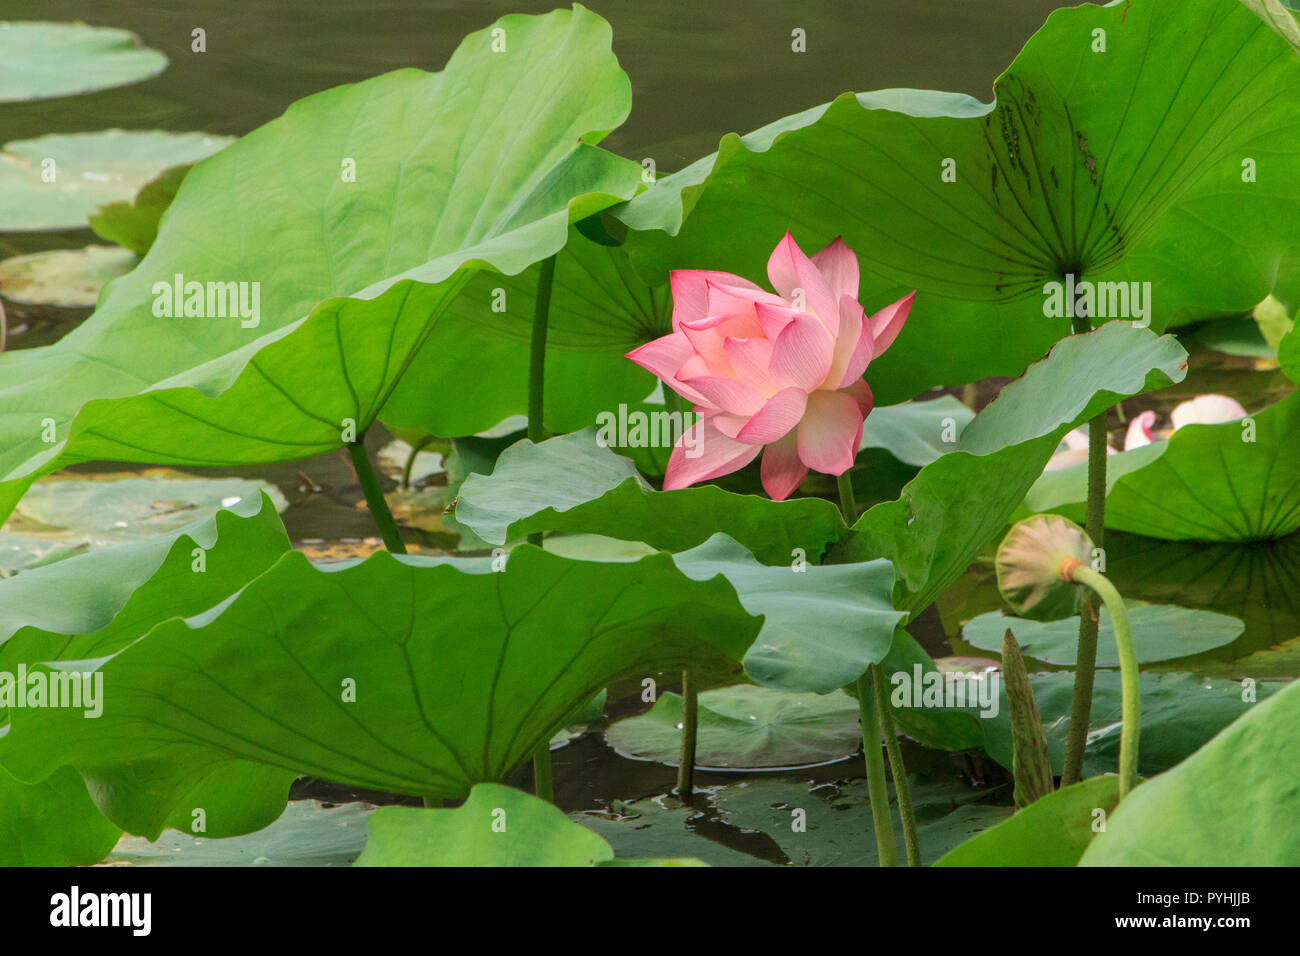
309, 833
1160, 633
112, 507
661, 827
837, 827
58, 181
67, 278
745, 728
43, 60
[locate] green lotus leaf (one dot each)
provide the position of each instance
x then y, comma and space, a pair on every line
44, 60
58, 181
837, 825
1082, 376
134, 223
745, 728
1052, 831
93, 605
917, 433
599, 310
660, 827
1231, 803
1160, 633
1238, 481
67, 278
52, 823
1119, 166
361, 673
822, 625
1288, 354
946, 515
353, 274
571, 483
496, 826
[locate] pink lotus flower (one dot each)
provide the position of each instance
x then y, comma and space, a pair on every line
781, 372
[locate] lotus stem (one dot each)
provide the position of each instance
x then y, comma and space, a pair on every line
410, 459
877, 789
375, 497
537, 353
848, 504
902, 789
872, 715
543, 786
1085, 668
690, 731
1131, 693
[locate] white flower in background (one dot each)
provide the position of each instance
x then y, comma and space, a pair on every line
1201, 410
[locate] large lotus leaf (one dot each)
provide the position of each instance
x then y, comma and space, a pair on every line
420, 675
836, 828
310, 833
1053, 831
599, 310
822, 625
1126, 165
1161, 632
571, 483
496, 826
98, 602
43, 60
916, 433
946, 515
1238, 481
52, 823
94, 605
453, 170
1082, 376
1232, 803
58, 181
745, 728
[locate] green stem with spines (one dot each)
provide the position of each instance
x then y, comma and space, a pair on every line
375, 501
690, 691
877, 788
873, 712
543, 786
1085, 667
1131, 691
902, 788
